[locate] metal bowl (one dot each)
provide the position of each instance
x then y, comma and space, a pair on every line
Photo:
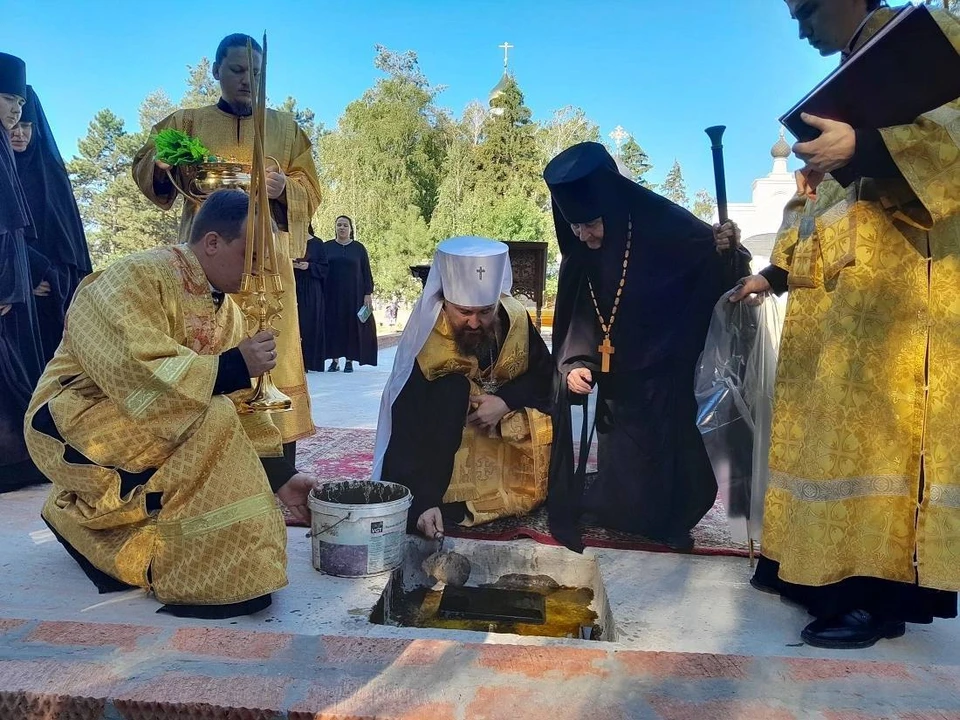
202, 179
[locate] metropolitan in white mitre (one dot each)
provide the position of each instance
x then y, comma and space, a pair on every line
464, 419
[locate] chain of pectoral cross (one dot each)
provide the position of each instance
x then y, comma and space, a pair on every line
605, 348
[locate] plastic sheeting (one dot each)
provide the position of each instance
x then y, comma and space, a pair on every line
734, 390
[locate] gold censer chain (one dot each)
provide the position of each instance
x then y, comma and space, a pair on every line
605, 348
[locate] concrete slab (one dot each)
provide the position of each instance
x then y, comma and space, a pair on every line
660, 602
693, 640
350, 400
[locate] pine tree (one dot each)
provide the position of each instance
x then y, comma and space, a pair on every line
636, 160
202, 89
674, 187
154, 108
508, 153
117, 217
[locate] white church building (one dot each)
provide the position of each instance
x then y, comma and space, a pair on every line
760, 218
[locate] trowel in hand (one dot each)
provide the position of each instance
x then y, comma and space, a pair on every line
448, 567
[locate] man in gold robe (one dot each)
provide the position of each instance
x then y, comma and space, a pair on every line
464, 419
862, 516
158, 482
226, 130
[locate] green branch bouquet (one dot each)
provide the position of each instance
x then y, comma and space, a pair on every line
175, 147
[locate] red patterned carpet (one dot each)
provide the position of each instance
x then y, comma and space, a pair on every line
337, 453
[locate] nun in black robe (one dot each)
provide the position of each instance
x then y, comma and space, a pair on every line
310, 284
58, 246
20, 356
654, 477
349, 282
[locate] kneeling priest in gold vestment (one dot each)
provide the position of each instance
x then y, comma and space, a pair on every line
158, 482
463, 418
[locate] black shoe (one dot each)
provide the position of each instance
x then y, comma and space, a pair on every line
853, 631
348, 367
757, 585
681, 542
334, 366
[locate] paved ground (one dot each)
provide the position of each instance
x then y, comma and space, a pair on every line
694, 640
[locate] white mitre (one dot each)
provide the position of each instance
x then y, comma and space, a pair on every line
468, 271
471, 270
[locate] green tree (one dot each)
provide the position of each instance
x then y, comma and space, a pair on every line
307, 121
514, 216
384, 158
568, 126
117, 217
704, 206
456, 212
406, 241
508, 153
636, 160
202, 89
674, 187
473, 118
305, 117
154, 108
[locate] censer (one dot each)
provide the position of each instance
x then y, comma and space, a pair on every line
261, 289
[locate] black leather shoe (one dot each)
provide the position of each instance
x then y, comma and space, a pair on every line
853, 631
334, 366
681, 542
769, 589
349, 366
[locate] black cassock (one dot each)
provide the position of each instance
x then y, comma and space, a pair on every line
57, 244
20, 355
310, 288
428, 419
348, 280
654, 477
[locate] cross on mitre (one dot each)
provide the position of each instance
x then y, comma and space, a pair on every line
472, 270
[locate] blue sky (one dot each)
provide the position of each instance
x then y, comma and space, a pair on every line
663, 69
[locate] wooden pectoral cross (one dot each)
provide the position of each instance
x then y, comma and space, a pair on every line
606, 350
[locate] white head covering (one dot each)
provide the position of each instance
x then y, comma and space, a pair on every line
456, 276
471, 270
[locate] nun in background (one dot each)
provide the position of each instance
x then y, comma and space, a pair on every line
20, 355
59, 256
311, 274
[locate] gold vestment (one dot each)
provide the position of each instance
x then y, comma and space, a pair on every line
131, 388
231, 138
864, 462
505, 474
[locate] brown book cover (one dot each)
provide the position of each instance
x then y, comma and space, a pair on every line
908, 68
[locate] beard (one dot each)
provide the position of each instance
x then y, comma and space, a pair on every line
479, 343
242, 106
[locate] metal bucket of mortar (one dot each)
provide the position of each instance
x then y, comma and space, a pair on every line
358, 526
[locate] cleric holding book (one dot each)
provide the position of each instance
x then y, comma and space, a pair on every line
862, 518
